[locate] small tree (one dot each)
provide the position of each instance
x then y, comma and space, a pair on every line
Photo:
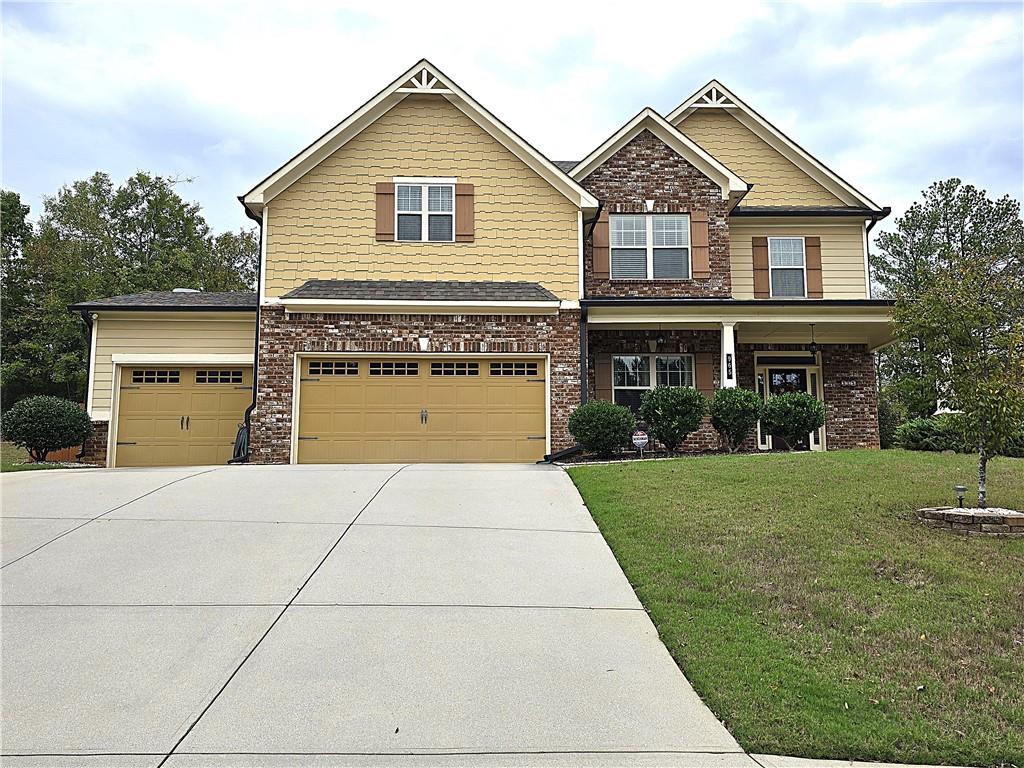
672, 413
793, 415
45, 423
969, 314
734, 413
601, 427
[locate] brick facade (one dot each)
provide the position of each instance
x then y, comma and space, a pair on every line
94, 451
647, 169
282, 336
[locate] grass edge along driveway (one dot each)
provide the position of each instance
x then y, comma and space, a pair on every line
812, 611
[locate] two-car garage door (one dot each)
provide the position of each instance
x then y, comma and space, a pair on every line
421, 409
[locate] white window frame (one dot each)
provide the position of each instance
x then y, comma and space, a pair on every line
771, 283
652, 363
649, 228
424, 182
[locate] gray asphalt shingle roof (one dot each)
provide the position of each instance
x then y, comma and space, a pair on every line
566, 165
157, 300
421, 290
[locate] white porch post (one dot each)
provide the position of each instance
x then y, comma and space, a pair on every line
729, 371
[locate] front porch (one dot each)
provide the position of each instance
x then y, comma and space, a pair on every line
633, 346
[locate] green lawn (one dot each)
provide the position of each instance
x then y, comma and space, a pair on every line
812, 611
13, 459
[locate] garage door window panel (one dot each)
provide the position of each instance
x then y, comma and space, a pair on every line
155, 376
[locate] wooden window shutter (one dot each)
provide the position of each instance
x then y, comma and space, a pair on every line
464, 213
602, 377
704, 373
602, 262
812, 255
762, 279
699, 248
385, 210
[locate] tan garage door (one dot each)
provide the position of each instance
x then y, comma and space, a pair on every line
421, 409
179, 416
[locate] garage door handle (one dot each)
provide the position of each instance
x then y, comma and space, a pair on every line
182, 423
424, 416
187, 419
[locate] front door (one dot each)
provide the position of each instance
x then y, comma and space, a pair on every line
781, 380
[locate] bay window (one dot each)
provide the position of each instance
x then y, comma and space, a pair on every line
650, 247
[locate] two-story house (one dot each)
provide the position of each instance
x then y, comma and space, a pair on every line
432, 288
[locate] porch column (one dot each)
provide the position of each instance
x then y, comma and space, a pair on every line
729, 372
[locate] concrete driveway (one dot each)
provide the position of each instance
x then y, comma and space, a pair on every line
284, 616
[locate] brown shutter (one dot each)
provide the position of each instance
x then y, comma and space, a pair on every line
762, 280
464, 213
701, 256
602, 264
602, 377
385, 210
704, 375
812, 253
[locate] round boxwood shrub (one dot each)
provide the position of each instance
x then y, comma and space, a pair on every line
793, 416
601, 427
672, 413
734, 413
45, 423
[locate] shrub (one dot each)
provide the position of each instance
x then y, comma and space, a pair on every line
601, 427
44, 423
946, 432
793, 416
672, 413
891, 414
734, 413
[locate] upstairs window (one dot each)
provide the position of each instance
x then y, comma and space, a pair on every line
425, 212
787, 266
650, 247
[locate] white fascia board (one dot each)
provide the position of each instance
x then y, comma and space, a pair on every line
778, 141
648, 119
399, 306
352, 125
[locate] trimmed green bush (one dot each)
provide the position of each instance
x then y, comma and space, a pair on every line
734, 413
601, 427
891, 414
945, 432
793, 416
45, 423
672, 413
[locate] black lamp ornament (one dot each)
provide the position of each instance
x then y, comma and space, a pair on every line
813, 346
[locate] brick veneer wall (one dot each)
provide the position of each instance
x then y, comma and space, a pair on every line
94, 451
848, 384
281, 336
647, 169
675, 341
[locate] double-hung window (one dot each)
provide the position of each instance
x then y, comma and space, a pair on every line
632, 375
650, 247
425, 212
787, 266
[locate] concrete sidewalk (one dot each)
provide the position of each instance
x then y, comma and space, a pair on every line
379, 615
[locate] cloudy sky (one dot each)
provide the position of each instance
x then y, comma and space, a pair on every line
891, 96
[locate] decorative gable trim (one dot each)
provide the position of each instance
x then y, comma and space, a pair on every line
423, 79
714, 95
732, 186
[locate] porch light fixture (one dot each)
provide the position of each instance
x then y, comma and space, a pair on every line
813, 346
652, 344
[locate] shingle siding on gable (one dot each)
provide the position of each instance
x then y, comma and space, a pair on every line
776, 180
323, 226
647, 169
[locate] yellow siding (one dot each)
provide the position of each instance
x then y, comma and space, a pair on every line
776, 180
183, 334
842, 254
323, 225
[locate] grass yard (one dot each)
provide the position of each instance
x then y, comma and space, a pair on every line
13, 459
812, 611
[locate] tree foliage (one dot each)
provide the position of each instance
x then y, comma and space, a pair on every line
968, 311
95, 239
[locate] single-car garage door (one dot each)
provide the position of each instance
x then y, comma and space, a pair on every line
179, 415
421, 409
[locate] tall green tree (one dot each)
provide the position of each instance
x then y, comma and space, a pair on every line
96, 239
967, 312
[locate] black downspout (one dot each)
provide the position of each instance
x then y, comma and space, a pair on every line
87, 319
247, 418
